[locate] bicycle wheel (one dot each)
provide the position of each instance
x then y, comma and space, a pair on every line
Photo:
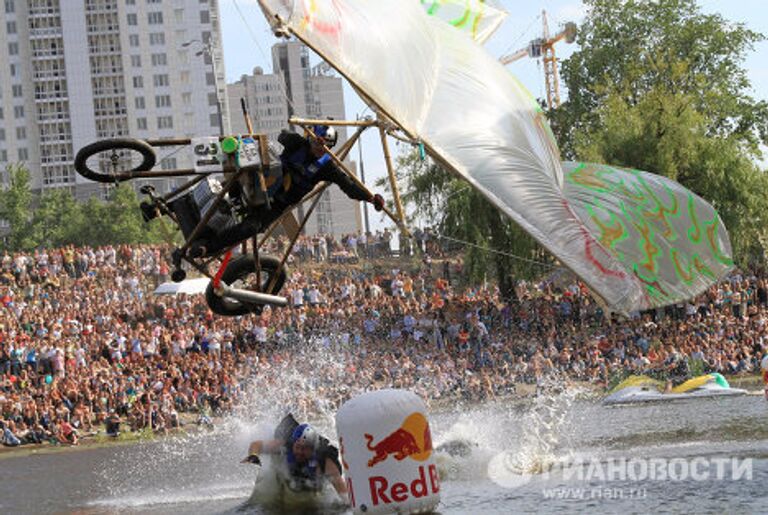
114, 160
241, 273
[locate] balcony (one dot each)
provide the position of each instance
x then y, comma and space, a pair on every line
38, 55
56, 96
50, 12
45, 32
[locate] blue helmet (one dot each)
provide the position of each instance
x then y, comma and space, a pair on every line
328, 134
305, 435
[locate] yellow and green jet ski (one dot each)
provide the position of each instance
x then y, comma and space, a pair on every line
638, 389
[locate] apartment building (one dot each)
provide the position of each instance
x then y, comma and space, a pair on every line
76, 71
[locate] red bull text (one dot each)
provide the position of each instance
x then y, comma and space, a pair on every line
383, 493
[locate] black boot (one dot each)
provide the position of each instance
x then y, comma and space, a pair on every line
198, 249
148, 211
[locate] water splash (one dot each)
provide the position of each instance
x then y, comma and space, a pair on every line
205, 464
544, 438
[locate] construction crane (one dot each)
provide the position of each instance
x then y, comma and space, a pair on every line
544, 47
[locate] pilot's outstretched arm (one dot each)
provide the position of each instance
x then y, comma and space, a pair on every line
262, 446
334, 474
331, 173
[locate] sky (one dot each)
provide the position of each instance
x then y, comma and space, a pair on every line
247, 41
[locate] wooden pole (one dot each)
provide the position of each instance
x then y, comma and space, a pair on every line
392, 177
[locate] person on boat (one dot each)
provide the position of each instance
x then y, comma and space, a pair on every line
310, 457
677, 369
305, 163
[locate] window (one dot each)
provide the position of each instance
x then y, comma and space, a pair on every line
136, 61
165, 122
23, 154
159, 60
186, 98
2, 134
155, 18
161, 80
138, 82
11, 27
179, 15
141, 123
1, 113
14, 70
21, 133
9, 7
157, 38
133, 40
13, 48
133, 19
16, 89
169, 163
163, 101
209, 80
205, 17
130, 2
18, 112
139, 101
184, 77
4, 156
215, 120
212, 100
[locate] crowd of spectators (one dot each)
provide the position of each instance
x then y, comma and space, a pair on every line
352, 247
85, 345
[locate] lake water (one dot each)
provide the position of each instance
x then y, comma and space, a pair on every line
555, 454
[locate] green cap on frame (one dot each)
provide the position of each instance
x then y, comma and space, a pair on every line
229, 145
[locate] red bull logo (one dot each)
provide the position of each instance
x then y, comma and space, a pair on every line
411, 440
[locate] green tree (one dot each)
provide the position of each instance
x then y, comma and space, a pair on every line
60, 220
95, 214
119, 219
659, 86
16, 207
124, 222
57, 220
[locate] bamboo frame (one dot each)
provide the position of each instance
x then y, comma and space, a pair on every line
392, 179
383, 127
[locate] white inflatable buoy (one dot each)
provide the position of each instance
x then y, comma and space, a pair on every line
386, 453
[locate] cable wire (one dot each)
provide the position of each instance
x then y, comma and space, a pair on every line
494, 251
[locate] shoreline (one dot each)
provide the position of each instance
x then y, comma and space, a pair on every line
100, 440
523, 391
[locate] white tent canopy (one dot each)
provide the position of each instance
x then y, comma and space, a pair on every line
189, 286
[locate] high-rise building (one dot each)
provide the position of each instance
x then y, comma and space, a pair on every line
297, 89
76, 71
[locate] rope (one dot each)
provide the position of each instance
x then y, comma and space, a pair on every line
494, 251
514, 43
264, 54
171, 154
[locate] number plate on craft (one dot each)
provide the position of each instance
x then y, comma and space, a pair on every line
248, 153
207, 152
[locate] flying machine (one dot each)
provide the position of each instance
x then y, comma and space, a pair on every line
635, 239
